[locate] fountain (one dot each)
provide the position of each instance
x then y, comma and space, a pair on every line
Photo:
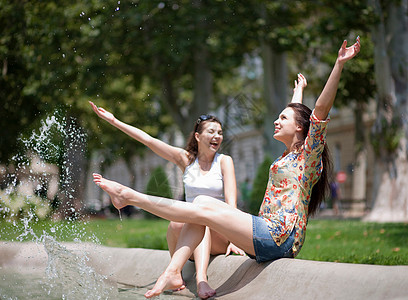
37, 266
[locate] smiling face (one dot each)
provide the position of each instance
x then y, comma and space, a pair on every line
210, 137
286, 127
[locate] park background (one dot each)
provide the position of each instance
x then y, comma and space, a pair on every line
158, 65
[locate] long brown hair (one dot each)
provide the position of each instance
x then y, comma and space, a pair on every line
192, 145
322, 186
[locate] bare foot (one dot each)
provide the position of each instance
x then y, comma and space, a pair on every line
182, 287
204, 290
116, 191
167, 281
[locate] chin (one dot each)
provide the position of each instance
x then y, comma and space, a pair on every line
276, 137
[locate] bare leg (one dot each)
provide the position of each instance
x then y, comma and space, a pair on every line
190, 236
173, 233
205, 211
233, 224
202, 258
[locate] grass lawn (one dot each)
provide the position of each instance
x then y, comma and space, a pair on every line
349, 241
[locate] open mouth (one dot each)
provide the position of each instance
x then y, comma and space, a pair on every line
214, 144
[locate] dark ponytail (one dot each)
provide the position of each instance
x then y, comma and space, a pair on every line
322, 186
192, 145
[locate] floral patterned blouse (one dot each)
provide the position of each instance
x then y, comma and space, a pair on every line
291, 179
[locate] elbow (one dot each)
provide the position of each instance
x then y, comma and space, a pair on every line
321, 111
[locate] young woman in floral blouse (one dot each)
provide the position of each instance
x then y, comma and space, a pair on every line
280, 228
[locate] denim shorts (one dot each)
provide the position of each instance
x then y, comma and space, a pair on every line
265, 247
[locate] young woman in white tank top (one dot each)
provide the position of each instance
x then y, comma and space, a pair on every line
205, 172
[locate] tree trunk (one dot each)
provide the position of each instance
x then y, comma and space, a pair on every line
390, 131
73, 170
203, 85
358, 193
275, 75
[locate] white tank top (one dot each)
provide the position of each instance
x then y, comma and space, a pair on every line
210, 184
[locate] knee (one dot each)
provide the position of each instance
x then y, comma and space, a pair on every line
202, 201
175, 226
205, 207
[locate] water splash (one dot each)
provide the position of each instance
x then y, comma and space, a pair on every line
70, 273
34, 168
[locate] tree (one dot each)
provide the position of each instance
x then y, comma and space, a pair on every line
158, 185
390, 132
52, 61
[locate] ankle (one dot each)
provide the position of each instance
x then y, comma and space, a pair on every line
201, 279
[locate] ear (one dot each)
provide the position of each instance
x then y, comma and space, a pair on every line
197, 136
299, 128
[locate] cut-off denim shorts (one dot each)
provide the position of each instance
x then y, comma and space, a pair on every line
265, 247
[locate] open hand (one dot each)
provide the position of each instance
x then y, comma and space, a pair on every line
301, 82
102, 113
232, 248
347, 53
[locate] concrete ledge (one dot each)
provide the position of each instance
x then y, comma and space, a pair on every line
233, 277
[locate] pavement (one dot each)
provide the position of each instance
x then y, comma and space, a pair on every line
234, 277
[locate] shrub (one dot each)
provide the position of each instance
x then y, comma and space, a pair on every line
259, 186
158, 185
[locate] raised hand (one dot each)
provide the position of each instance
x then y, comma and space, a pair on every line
347, 53
102, 113
301, 82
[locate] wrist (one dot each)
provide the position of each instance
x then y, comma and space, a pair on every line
339, 63
113, 121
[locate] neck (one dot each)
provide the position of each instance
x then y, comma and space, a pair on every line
290, 146
205, 157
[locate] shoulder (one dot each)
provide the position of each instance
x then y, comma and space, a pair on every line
314, 120
225, 161
224, 157
185, 160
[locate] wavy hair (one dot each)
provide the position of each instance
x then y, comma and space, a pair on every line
322, 186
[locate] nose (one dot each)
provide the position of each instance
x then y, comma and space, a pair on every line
276, 122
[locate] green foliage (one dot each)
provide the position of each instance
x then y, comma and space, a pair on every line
386, 136
158, 185
16, 206
259, 186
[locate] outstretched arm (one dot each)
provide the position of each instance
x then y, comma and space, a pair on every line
173, 154
325, 101
300, 84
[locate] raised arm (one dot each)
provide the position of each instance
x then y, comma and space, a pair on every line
325, 101
173, 154
300, 84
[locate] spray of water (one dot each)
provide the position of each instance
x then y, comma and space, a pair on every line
22, 205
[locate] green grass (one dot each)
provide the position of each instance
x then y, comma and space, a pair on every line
348, 241
356, 242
